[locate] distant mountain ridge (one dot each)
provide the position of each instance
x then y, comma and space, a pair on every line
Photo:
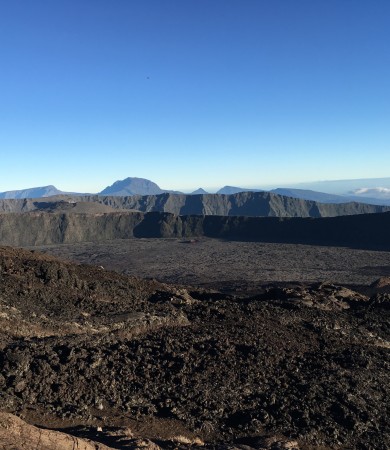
329, 198
37, 192
128, 186
228, 190
141, 186
261, 204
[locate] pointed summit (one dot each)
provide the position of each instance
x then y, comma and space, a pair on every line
199, 191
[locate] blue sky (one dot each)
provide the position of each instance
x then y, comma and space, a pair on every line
193, 93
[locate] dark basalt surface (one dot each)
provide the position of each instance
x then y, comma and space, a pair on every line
228, 266
82, 345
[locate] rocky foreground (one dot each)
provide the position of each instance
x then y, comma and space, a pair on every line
118, 362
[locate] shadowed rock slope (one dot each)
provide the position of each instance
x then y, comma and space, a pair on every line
41, 228
81, 348
240, 204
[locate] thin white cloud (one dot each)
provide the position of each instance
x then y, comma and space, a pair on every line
380, 192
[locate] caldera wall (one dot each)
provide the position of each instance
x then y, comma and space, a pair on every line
40, 228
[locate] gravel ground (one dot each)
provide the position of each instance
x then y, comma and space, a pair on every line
81, 346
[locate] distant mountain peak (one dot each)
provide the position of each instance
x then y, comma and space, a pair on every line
132, 186
199, 191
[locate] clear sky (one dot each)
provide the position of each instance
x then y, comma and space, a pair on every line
192, 93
